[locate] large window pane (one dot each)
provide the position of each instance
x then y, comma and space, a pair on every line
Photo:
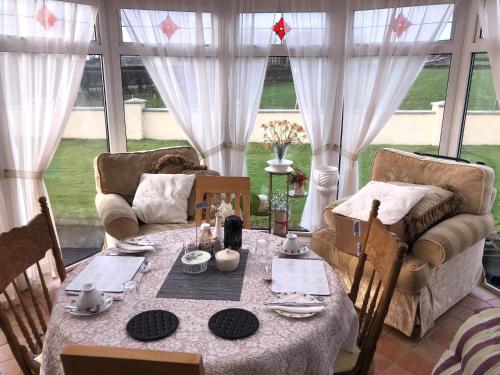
148, 122
278, 102
416, 125
70, 177
481, 143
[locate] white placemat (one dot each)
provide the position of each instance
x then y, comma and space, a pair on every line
107, 273
299, 275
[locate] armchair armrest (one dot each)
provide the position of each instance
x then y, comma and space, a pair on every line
328, 214
451, 237
116, 215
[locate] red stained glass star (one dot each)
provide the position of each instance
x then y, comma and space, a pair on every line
400, 24
46, 18
168, 27
281, 28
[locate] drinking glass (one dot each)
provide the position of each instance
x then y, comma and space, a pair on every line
131, 293
262, 252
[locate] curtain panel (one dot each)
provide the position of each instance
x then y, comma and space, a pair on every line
489, 18
316, 49
208, 65
385, 50
46, 44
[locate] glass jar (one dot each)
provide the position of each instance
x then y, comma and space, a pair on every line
205, 240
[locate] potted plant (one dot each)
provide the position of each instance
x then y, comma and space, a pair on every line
298, 179
279, 134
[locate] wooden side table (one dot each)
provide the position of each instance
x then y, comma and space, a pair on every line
272, 173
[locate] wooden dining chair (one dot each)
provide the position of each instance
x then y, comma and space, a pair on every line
212, 189
98, 360
21, 248
381, 260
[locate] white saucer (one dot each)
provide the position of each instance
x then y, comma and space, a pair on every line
303, 249
108, 301
302, 298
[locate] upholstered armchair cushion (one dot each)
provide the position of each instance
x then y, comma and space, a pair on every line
116, 215
451, 237
472, 184
120, 173
328, 215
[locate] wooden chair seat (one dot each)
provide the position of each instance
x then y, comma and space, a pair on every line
99, 360
25, 324
385, 253
212, 189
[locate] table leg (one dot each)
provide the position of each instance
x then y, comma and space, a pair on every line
287, 204
270, 199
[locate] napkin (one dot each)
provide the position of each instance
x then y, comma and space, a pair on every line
129, 247
298, 298
298, 309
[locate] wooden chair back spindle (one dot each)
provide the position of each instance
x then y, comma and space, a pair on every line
20, 249
234, 190
381, 260
84, 360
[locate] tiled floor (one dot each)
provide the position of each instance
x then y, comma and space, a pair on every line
396, 354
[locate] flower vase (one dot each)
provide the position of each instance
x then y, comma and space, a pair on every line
280, 226
280, 151
218, 228
299, 190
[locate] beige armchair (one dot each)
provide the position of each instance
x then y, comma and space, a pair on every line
117, 178
444, 263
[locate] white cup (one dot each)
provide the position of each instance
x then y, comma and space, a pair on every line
89, 298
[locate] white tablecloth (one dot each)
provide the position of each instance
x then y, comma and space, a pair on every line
280, 346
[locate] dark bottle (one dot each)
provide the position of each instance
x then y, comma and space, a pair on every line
233, 226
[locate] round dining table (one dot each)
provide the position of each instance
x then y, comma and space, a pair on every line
281, 345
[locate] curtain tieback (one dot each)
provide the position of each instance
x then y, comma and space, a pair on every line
324, 148
11, 173
223, 146
349, 155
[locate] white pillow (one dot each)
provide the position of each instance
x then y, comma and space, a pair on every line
395, 201
163, 198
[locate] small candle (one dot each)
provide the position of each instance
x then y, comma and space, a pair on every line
227, 260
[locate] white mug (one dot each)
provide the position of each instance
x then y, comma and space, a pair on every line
291, 245
89, 298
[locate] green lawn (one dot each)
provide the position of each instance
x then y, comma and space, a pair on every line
419, 97
71, 183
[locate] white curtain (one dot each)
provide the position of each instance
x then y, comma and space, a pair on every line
385, 48
43, 46
208, 65
316, 48
489, 17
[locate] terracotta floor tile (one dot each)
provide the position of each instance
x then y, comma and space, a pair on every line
464, 314
9, 368
381, 363
473, 303
386, 329
408, 342
416, 364
390, 348
429, 349
441, 336
396, 369
483, 294
5, 353
449, 323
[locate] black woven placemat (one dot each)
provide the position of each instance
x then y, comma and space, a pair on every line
233, 324
209, 285
152, 325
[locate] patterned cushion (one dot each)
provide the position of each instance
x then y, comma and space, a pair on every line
451, 237
475, 349
471, 183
